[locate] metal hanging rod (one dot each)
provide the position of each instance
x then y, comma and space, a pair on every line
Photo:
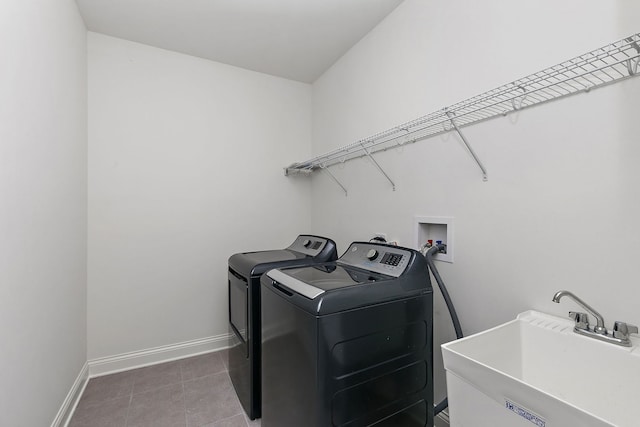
609, 64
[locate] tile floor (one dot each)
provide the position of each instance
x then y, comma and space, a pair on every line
193, 392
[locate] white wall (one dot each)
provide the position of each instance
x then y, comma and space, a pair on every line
561, 207
43, 207
185, 169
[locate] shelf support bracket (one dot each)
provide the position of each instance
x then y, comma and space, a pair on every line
368, 154
466, 143
633, 67
294, 170
332, 176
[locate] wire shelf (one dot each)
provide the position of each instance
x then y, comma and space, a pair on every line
609, 64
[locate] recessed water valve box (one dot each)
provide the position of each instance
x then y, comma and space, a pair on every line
435, 229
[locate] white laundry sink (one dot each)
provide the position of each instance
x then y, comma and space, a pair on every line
536, 371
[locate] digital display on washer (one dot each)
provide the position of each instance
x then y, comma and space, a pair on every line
333, 277
391, 259
377, 258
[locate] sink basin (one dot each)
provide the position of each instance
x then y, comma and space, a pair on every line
535, 370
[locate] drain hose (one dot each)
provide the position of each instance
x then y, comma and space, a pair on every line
447, 299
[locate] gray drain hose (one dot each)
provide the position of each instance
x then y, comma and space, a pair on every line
447, 299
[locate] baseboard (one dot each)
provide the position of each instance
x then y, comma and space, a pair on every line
71, 401
136, 359
442, 419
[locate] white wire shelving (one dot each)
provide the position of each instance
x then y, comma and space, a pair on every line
609, 64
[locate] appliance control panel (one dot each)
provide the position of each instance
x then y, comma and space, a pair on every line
377, 258
308, 245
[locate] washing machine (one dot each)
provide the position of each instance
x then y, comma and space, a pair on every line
245, 270
350, 342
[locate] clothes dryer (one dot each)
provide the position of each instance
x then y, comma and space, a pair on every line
245, 270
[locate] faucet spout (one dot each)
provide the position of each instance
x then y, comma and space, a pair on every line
599, 328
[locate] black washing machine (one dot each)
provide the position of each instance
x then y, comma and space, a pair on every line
349, 343
245, 270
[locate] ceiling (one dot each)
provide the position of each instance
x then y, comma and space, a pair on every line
294, 39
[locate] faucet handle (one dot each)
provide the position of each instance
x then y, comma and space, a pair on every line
622, 330
581, 319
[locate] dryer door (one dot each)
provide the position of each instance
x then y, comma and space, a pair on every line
238, 307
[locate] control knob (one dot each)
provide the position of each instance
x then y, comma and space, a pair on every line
372, 254
306, 243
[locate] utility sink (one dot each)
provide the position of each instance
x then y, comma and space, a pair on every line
535, 370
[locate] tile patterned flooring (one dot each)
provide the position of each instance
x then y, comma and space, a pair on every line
192, 392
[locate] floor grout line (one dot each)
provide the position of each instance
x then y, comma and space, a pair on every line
184, 397
126, 417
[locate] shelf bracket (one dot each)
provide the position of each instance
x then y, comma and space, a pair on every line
332, 176
518, 106
466, 143
368, 154
633, 67
295, 170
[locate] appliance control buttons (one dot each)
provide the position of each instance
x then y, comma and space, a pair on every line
391, 259
372, 254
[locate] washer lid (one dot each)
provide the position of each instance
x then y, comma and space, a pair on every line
315, 280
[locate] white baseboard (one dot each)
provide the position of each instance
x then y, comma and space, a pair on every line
152, 356
71, 401
442, 419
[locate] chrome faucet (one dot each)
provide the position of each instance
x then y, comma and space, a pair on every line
599, 328
621, 330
